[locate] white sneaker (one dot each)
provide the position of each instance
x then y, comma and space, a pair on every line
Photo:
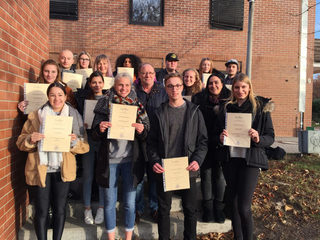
99, 216
88, 218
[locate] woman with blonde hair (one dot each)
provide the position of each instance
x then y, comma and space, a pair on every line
191, 82
205, 66
242, 165
102, 64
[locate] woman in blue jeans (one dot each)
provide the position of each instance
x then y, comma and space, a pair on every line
95, 85
119, 157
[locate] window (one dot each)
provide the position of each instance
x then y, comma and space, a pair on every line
227, 14
64, 9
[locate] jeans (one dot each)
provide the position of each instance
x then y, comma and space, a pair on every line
88, 164
153, 201
189, 210
55, 194
213, 183
242, 181
128, 195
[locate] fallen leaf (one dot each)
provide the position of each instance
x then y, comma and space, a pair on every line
288, 208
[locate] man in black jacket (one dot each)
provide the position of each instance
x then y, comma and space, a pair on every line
171, 67
177, 130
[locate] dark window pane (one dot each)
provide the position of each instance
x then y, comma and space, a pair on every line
64, 9
227, 14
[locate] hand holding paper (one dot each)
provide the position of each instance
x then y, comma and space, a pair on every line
104, 125
193, 166
35, 137
157, 168
138, 126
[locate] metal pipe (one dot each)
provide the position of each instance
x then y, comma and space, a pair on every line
249, 41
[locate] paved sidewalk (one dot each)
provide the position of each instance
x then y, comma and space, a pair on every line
289, 144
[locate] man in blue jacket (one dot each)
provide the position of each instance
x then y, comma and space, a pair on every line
151, 94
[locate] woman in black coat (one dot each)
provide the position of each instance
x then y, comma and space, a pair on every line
242, 165
211, 102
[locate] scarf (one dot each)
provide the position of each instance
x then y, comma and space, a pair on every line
104, 105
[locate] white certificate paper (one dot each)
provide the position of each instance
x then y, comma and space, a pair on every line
205, 77
108, 82
238, 126
88, 113
85, 74
57, 130
130, 71
175, 176
73, 80
36, 95
121, 117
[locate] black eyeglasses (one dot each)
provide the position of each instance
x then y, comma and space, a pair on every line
84, 59
178, 86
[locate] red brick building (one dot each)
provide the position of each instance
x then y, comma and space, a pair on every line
28, 37
103, 27
24, 31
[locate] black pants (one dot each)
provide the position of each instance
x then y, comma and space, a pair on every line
242, 181
189, 198
213, 183
55, 194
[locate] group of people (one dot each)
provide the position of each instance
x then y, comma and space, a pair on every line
168, 125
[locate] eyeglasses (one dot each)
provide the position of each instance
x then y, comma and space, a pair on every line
170, 86
145, 73
84, 59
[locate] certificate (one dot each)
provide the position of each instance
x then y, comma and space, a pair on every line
229, 86
108, 82
175, 176
205, 77
187, 98
85, 74
57, 130
238, 126
73, 80
130, 71
88, 114
121, 117
36, 95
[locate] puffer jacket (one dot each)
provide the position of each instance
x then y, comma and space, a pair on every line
36, 173
262, 122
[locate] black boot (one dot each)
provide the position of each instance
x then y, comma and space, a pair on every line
207, 208
220, 217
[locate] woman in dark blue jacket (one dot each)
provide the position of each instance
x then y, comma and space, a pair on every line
243, 165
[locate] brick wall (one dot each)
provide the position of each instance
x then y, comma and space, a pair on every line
103, 28
24, 31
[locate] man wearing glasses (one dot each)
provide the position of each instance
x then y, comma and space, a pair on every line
177, 130
151, 94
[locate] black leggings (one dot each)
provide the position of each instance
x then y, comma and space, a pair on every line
242, 181
55, 194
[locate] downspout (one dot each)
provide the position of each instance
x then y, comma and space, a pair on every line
303, 60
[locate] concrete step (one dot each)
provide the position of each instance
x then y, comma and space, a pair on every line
75, 208
75, 228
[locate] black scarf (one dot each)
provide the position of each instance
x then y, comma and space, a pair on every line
246, 107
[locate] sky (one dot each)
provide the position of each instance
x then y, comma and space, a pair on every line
317, 25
